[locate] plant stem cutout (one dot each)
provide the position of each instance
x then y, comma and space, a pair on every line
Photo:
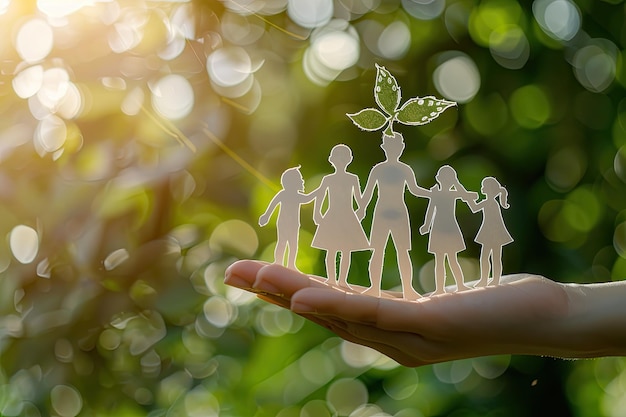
416, 111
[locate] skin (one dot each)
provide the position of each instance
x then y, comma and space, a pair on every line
525, 314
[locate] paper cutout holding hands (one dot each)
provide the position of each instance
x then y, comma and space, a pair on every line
339, 231
492, 235
446, 240
391, 216
290, 198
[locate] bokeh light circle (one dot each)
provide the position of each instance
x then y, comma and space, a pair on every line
229, 66
51, 133
34, 40
28, 81
595, 65
457, 78
173, 97
310, 14
333, 49
336, 50
66, 400
24, 243
346, 394
510, 48
395, 40
619, 239
424, 9
530, 106
558, 18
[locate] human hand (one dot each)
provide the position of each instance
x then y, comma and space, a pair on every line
525, 314
263, 220
425, 228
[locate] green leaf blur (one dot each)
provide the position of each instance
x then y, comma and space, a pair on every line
141, 140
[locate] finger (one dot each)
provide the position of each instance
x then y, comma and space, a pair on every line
242, 274
284, 282
274, 299
345, 306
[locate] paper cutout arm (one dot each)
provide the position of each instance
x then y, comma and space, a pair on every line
527, 314
265, 217
428, 220
366, 197
415, 189
319, 194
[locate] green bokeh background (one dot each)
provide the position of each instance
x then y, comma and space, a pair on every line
122, 310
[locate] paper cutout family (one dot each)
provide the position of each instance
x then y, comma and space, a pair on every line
339, 231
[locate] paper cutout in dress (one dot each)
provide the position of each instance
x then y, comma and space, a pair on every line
492, 235
446, 240
288, 201
339, 231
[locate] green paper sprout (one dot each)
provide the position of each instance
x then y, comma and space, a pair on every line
416, 111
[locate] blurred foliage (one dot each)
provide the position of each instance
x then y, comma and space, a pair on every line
141, 140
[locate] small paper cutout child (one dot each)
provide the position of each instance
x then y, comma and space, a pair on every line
492, 235
290, 198
391, 216
339, 231
446, 240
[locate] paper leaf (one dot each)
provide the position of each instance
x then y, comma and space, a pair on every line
422, 110
368, 119
386, 91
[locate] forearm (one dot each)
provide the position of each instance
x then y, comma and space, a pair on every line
597, 323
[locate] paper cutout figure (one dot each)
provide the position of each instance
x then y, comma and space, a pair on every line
387, 94
492, 235
290, 198
339, 231
391, 216
446, 240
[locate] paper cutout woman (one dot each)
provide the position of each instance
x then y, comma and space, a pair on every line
391, 216
339, 231
290, 198
446, 240
492, 235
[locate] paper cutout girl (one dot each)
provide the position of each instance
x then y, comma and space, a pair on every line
492, 235
391, 216
446, 240
339, 231
290, 198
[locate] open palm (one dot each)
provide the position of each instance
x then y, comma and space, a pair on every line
526, 314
